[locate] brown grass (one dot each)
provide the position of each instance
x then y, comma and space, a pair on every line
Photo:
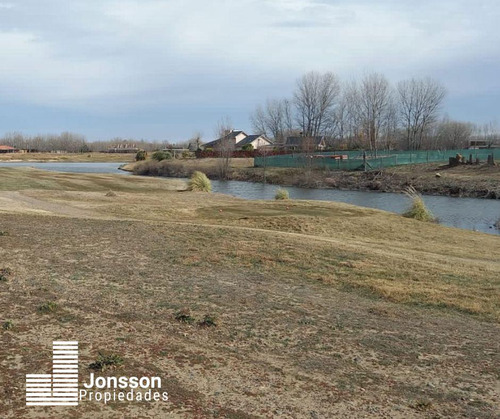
319, 307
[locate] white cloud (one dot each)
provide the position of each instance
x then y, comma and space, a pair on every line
88, 54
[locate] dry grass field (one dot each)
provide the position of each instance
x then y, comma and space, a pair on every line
322, 310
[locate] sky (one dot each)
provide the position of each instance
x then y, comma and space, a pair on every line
165, 69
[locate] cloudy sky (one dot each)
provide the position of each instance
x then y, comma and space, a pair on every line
163, 69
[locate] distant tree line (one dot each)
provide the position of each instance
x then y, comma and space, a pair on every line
368, 114
75, 143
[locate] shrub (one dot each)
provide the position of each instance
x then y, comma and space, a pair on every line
8, 325
184, 316
281, 194
4, 274
4, 233
418, 210
48, 307
141, 155
247, 147
208, 321
161, 155
110, 194
199, 183
422, 405
106, 361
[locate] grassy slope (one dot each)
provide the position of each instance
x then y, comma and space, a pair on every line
323, 309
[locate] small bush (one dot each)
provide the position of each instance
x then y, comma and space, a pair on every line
110, 194
8, 325
418, 210
3, 233
247, 147
141, 155
184, 316
199, 183
104, 362
5, 273
48, 307
422, 405
281, 194
208, 321
161, 155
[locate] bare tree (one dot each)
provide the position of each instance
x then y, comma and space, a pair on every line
314, 98
419, 103
225, 147
274, 119
453, 134
375, 103
195, 141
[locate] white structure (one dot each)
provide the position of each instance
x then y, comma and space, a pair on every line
240, 139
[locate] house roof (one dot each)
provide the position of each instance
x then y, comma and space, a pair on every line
231, 136
7, 147
298, 140
250, 139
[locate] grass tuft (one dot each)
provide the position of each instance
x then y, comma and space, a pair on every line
418, 210
5, 273
281, 194
8, 325
110, 194
184, 316
208, 321
422, 405
48, 307
4, 233
199, 182
104, 362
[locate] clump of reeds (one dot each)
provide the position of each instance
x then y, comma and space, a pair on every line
199, 182
418, 210
281, 194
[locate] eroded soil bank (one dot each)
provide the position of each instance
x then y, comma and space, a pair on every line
473, 181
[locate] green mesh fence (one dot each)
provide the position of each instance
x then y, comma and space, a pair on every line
383, 159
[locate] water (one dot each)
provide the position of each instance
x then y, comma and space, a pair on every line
71, 167
465, 213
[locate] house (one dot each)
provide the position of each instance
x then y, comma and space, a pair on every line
305, 143
482, 144
123, 148
8, 149
240, 139
256, 141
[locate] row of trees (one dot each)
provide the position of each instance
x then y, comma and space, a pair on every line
370, 114
75, 143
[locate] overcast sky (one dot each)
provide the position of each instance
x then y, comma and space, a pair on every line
163, 69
